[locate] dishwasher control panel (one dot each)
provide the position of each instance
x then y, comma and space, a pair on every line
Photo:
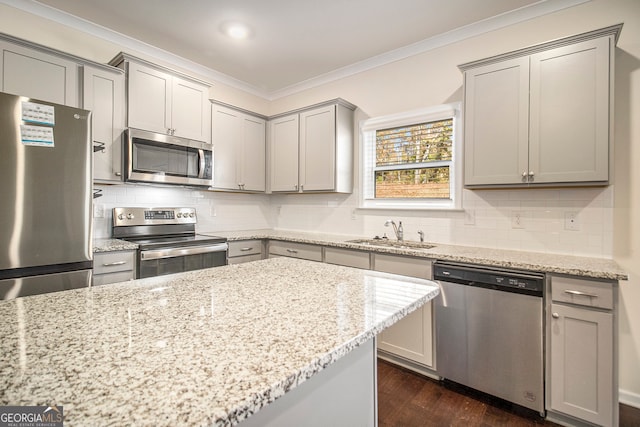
489, 278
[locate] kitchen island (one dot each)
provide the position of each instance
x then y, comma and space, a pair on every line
208, 347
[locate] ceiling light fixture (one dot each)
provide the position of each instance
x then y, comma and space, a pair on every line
236, 30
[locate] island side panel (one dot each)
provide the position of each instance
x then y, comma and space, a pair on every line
345, 393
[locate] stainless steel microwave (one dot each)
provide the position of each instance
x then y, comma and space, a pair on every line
165, 159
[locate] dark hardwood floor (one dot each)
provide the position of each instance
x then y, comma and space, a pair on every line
406, 399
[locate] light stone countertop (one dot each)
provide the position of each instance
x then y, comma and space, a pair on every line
112, 245
597, 268
206, 347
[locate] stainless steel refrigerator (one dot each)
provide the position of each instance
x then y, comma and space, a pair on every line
45, 197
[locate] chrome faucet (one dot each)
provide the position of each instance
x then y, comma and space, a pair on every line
396, 229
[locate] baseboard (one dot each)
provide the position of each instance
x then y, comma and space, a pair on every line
629, 398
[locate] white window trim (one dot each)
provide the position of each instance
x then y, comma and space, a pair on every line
367, 158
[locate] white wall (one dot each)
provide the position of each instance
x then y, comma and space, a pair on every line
610, 217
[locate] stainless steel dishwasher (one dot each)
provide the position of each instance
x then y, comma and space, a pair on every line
489, 332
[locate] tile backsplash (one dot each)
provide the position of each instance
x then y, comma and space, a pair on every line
577, 221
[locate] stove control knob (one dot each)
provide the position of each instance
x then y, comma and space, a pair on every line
121, 217
130, 216
191, 215
179, 214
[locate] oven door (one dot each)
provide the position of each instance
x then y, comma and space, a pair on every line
161, 261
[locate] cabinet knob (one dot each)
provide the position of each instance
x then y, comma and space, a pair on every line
118, 174
555, 315
531, 173
295, 187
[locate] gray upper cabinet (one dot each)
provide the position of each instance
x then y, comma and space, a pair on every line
239, 145
103, 94
312, 150
36, 73
161, 100
541, 115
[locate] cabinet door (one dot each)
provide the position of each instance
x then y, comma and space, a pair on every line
226, 128
284, 153
103, 94
496, 123
412, 337
39, 75
190, 110
318, 149
252, 160
581, 363
149, 98
569, 130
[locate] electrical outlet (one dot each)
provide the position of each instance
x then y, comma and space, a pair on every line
98, 210
469, 217
517, 219
353, 215
213, 211
571, 221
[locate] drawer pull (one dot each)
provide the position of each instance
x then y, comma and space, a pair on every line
245, 249
111, 264
292, 251
580, 293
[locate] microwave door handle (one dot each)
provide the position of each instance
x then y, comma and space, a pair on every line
202, 163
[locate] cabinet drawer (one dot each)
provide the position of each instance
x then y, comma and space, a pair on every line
296, 250
243, 259
244, 247
111, 262
582, 292
407, 266
119, 276
347, 257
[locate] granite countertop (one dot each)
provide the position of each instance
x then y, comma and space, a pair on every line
206, 347
597, 268
112, 245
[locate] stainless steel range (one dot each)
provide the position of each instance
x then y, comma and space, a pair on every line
167, 240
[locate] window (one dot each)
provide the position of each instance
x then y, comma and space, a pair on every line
409, 160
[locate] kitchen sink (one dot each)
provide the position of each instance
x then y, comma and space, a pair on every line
392, 243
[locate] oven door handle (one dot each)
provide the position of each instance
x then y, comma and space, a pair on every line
181, 251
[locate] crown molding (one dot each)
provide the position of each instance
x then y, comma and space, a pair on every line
541, 8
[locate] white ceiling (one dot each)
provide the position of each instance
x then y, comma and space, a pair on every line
295, 41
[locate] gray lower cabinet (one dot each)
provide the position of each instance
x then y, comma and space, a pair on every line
241, 251
582, 360
295, 250
412, 337
113, 267
347, 257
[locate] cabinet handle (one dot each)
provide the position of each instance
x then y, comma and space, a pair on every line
580, 293
295, 187
555, 315
99, 146
292, 251
111, 264
245, 249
